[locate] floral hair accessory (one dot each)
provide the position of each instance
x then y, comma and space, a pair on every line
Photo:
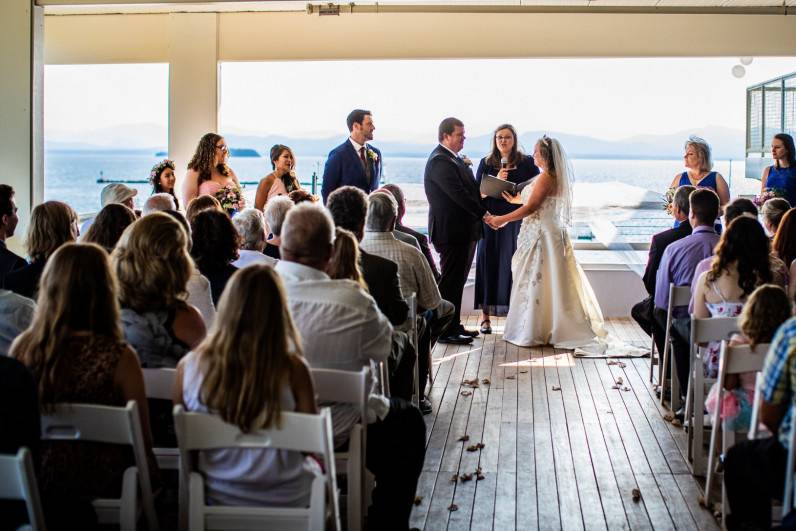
158, 168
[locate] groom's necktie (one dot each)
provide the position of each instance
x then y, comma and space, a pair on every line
364, 159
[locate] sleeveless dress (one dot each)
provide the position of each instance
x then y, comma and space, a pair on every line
251, 476
725, 308
708, 181
783, 179
209, 188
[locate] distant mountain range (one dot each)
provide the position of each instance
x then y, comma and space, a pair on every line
727, 143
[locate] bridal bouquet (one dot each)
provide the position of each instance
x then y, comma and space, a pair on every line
668, 199
765, 195
231, 199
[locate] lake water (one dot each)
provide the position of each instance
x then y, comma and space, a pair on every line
72, 176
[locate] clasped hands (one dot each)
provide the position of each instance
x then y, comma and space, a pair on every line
494, 221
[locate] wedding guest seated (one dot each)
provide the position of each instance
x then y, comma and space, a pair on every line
344, 262
771, 213
158, 203
52, 224
20, 426
200, 204
248, 378
754, 470
113, 193
281, 181
642, 312
677, 267
215, 247
401, 236
76, 351
108, 226
341, 328
16, 314
162, 179
300, 196
415, 276
739, 206
740, 265
421, 238
250, 224
275, 213
9, 261
198, 287
348, 206
784, 245
767, 308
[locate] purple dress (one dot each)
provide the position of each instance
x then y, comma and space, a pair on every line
493, 261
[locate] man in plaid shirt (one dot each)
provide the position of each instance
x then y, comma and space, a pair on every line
754, 471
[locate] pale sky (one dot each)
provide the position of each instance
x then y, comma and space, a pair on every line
603, 98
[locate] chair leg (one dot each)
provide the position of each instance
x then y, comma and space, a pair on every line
712, 450
653, 361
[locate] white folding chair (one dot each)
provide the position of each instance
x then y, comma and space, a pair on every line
299, 432
158, 384
702, 331
411, 301
18, 482
113, 425
348, 387
754, 422
678, 296
734, 360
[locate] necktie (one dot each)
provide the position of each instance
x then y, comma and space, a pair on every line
362, 157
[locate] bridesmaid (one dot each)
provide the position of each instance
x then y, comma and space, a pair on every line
699, 166
281, 181
208, 171
782, 174
493, 262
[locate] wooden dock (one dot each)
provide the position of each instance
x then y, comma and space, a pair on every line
562, 448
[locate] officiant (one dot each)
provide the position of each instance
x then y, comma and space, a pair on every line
493, 262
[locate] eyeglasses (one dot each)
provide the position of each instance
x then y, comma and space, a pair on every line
222, 147
499, 138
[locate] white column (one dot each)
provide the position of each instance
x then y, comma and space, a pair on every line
21, 132
193, 84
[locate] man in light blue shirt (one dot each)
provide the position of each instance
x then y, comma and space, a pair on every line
677, 266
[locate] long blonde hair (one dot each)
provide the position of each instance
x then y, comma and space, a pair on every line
152, 263
52, 224
77, 293
344, 263
246, 361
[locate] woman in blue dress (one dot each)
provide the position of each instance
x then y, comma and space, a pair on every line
782, 174
699, 173
493, 262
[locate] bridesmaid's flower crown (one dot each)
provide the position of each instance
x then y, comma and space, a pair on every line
158, 168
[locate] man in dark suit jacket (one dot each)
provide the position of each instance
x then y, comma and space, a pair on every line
8, 224
642, 311
454, 218
354, 162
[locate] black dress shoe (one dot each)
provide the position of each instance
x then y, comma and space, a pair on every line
456, 340
425, 406
468, 333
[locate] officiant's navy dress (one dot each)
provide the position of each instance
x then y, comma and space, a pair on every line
495, 249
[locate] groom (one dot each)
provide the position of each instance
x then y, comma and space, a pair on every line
354, 162
454, 220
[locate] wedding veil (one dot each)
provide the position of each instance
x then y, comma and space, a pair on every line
564, 177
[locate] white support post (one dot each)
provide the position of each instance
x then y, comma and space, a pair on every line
193, 84
21, 107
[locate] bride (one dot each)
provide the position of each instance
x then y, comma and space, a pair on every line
551, 300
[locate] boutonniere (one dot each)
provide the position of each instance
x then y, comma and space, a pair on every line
372, 155
466, 160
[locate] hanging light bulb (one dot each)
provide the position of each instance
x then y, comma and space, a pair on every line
738, 71
746, 61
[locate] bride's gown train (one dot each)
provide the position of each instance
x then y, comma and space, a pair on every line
552, 302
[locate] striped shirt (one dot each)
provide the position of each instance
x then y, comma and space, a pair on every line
779, 375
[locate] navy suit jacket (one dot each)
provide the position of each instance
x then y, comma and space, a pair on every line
344, 168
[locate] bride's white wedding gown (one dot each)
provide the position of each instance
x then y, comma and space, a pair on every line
551, 301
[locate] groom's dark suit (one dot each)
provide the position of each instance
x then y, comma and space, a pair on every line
454, 223
344, 167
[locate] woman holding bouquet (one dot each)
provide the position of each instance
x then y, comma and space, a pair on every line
208, 174
282, 180
699, 173
780, 178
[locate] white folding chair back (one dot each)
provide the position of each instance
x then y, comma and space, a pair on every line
159, 384
702, 331
299, 432
734, 360
114, 425
18, 482
678, 296
349, 388
754, 422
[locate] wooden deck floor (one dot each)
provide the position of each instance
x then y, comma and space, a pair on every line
552, 458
